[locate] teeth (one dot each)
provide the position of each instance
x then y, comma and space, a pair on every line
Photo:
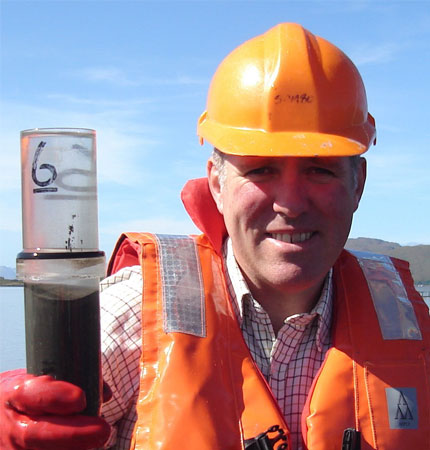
291, 238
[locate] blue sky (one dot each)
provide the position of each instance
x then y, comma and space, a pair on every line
137, 72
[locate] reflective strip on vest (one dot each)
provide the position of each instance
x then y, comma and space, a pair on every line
395, 312
183, 292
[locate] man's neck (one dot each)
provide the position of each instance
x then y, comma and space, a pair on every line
280, 305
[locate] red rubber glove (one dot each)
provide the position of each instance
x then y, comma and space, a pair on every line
40, 413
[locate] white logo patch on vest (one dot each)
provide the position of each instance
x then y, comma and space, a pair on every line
402, 408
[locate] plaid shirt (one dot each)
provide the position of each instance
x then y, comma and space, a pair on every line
288, 361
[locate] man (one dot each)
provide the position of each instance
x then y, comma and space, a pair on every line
261, 333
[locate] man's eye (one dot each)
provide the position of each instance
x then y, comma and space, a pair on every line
265, 170
321, 174
321, 170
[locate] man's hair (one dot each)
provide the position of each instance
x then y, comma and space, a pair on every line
355, 161
218, 159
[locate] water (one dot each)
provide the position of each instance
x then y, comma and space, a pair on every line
12, 329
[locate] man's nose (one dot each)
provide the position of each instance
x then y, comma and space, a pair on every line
290, 196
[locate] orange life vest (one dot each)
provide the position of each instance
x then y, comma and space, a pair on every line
200, 388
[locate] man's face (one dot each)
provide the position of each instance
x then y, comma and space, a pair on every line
288, 218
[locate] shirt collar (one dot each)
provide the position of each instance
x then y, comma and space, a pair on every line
239, 291
238, 288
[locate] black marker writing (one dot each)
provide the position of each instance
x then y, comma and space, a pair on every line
49, 167
293, 98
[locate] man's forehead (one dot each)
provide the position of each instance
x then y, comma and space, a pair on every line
325, 160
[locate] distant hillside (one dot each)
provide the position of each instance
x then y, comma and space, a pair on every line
7, 272
7, 282
418, 256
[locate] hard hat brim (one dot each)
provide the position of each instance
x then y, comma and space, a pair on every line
251, 142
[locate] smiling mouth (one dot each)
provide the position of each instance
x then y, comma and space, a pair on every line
291, 238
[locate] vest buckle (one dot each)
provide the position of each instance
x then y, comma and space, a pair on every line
351, 439
264, 442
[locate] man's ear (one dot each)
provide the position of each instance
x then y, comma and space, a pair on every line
215, 184
361, 180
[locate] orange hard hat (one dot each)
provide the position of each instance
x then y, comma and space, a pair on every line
287, 93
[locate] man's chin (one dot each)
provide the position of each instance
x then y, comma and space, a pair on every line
292, 276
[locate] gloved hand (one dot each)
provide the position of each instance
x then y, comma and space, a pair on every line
40, 413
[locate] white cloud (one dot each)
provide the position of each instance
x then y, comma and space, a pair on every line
375, 53
111, 75
398, 173
125, 104
176, 80
10, 161
119, 77
11, 212
121, 156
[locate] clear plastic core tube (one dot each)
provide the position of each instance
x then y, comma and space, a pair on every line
61, 264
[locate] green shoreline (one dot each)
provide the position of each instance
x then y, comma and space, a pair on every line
11, 283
